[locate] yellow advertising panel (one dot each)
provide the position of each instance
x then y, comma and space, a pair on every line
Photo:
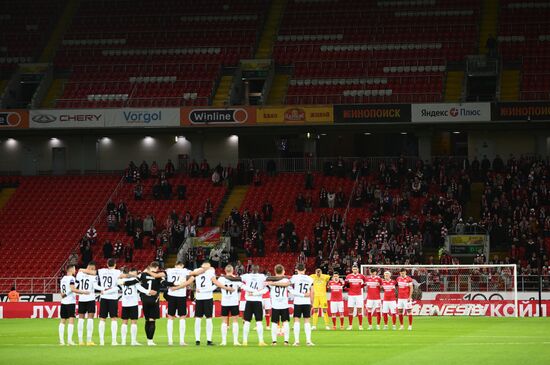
295, 114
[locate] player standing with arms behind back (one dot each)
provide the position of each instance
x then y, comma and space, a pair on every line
68, 304
320, 281
404, 297
355, 282
279, 303
373, 284
388, 285
336, 286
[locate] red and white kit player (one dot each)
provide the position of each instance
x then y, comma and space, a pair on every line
355, 282
266, 299
336, 287
404, 297
373, 284
389, 305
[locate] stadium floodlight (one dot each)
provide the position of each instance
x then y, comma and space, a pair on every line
460, 285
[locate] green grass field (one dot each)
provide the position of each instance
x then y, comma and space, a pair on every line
442, 340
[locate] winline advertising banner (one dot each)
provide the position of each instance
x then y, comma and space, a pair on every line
227, 117
372, 113
296, 115
16, 119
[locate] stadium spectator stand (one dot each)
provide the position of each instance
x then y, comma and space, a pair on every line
146, 53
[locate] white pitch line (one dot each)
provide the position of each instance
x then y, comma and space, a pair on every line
318, 345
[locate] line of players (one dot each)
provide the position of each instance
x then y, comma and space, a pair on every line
148, 285
376, 304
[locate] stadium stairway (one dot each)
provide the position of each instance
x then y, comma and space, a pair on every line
234, 200
222, 93
54, 92
509, 85
57, 34
278, 89
489, 19
267, 38
453, 86
5, 195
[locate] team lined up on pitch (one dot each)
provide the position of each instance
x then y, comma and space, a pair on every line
253, 294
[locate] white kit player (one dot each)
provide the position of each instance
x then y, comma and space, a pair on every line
254, 308
108, 303
87, 280
205, 284
68, 304
177, 300
130, 300
279, 303
230, 305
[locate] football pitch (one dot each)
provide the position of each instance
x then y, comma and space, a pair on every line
434, 340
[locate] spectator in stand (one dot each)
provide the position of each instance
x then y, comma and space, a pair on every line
300, 203
306, 246
86, 253
208, 210
201, 220
166, 189
129, 225
138, 239
216, 178
257, 179
204, 168
498, 164
323, 198
138, 192
331, 199
122, 210
91, 235
169, 168
149, 226
112, 223
111, 207
340, 198
267, 210
485, 165
159, 257
492, 46
107, 250
194, 168
13, 295
73, 258
308, 203
309, 181
128, 253
144, 170
117, 249
294, 242
154, 170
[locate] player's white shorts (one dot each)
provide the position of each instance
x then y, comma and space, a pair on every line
267, 303
374, 303
388, 306
404, 304
336, 307
242, 304
355, 301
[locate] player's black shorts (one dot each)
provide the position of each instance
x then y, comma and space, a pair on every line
253, 308
86, 307
129, 312
108, 308
177, 304
302, 310
204, 308
67, 311
282, 315
232, 310
151, 310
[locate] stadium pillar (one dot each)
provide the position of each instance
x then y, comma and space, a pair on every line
424, 146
